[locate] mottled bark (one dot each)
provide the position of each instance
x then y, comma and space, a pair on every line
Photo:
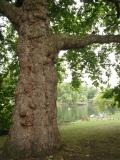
10, 11
66, 42
34, 129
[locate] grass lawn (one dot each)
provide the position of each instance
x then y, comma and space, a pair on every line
92, 140
2, 141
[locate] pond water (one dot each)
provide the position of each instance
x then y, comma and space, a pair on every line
74, 113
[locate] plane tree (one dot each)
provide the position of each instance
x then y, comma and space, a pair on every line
45, 27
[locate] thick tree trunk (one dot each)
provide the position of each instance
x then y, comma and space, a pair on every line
35, 114
34, 129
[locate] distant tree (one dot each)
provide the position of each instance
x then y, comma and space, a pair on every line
105, 104
69, 96
91, 92
113, 93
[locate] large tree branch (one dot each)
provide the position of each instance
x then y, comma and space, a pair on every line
10, 11
66, 42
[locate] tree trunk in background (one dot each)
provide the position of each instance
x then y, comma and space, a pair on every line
34, 129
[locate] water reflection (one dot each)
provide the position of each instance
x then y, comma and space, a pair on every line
71, 113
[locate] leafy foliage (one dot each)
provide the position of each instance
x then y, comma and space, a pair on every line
113, 93
68, 95
96, 17
8, 76
107, 101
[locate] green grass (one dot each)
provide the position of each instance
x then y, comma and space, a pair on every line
92, 140
2, 141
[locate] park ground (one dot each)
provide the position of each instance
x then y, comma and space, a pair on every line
91, 140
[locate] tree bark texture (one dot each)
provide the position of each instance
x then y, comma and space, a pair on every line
10, 11
66, 42
34, 129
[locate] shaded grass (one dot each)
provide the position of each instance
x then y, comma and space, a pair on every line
2, 140
92, 140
